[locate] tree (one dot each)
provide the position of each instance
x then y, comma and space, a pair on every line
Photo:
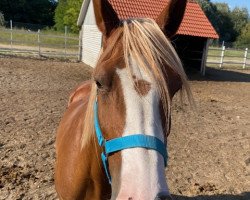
239, 17
222, 7
1, 19
72, 13
227, 23
67, 13
59, 14
244, 38
29, 11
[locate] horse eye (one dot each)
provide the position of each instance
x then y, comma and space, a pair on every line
98, 84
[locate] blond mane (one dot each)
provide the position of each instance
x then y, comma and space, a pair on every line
144, 42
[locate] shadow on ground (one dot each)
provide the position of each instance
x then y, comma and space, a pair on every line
243, 196
222, 75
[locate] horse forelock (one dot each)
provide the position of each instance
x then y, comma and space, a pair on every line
146, 44
88, 126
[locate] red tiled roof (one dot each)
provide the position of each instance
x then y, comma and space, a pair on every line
195, 22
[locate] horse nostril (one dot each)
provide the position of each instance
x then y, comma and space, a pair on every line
163, 196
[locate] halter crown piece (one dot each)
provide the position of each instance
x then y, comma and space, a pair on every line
126, 142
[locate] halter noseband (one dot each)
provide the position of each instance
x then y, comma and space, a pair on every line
126, 142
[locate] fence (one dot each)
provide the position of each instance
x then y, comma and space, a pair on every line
38, 43
228, 57
53, 44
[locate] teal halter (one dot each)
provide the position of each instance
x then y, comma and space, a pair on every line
126, 142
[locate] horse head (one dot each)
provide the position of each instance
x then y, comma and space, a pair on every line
136, 76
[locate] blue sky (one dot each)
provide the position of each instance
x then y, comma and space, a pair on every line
233, 3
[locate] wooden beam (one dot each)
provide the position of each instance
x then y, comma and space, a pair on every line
80, 56
204, 57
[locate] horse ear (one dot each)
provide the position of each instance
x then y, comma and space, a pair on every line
171, 17
106, 17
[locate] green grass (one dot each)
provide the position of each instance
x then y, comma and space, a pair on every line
47, 38
228, 52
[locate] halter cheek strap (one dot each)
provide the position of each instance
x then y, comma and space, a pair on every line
126, 142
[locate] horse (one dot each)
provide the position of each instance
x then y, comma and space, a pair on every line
111, 142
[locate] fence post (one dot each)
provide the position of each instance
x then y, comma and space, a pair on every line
80, 45
38, 42
11, 37
222, 56
65, 41
245, 58
223, 43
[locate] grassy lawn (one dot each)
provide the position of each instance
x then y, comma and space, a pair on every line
228, 52
48, 38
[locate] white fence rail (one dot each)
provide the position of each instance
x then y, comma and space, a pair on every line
26, 42
228, 57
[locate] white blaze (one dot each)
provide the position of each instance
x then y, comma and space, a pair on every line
143, 171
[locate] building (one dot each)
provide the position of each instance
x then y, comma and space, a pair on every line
191, 41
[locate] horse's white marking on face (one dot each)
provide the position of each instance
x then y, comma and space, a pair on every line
143, 171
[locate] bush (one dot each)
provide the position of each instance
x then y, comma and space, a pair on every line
66, 14
244, 38
1, 19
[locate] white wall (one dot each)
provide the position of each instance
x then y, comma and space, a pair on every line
91, 38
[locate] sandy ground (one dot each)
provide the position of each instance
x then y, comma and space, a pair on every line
209, 148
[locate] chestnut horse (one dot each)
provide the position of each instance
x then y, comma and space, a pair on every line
136, 76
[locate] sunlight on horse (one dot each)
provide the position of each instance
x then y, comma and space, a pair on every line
111, 142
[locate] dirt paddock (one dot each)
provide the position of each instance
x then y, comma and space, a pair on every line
209, 148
